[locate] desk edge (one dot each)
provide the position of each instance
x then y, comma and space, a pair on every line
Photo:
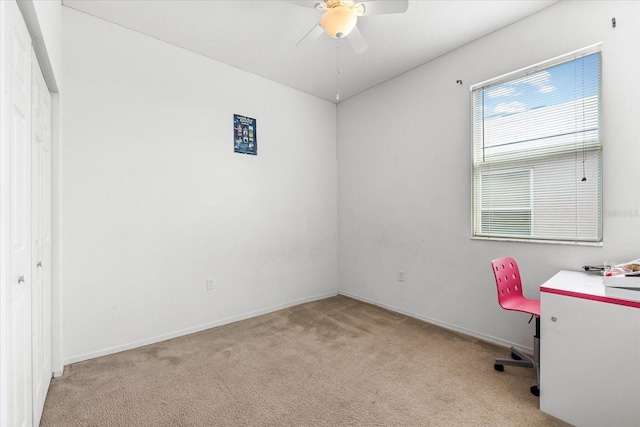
610, 300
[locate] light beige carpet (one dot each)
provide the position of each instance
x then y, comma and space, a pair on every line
334, 362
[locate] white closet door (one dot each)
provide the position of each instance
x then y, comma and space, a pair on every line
16, 160
41, 240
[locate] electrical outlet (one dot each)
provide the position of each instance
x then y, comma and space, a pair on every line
401, 276
210, 284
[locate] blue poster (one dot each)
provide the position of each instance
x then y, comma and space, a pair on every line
245, 137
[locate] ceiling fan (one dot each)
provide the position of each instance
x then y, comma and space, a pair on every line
339, 18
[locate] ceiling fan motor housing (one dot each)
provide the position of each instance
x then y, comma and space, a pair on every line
347, 3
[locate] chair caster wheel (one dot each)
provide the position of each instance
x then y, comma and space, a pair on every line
498, 367
515, 356
535, 390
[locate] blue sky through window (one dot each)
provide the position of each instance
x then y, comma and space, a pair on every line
559, 84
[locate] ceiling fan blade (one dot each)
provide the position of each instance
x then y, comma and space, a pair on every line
312, 35
381, 7
313, 4
357, 41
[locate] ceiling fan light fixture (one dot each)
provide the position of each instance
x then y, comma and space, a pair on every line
338, 21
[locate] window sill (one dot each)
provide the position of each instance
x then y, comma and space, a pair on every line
555, 242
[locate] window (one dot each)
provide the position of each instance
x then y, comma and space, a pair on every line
537, 152
506, 213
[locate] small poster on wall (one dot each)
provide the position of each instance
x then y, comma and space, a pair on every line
245, 137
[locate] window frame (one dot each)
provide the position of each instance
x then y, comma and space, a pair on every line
476, 189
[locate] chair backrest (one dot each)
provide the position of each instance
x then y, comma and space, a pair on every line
508, 281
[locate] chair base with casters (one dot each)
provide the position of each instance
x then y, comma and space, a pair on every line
523, 360
510, 297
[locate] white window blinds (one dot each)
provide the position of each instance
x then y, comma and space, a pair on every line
537, 152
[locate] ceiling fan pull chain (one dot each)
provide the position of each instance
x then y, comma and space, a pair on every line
338, 71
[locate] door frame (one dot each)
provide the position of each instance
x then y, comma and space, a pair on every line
33, 26
27, 10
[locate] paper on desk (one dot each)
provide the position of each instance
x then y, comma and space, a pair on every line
632, 266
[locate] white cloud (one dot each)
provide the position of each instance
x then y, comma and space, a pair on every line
510, 107
536, 79
501, 92
539, 80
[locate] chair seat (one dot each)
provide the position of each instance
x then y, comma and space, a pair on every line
523, 304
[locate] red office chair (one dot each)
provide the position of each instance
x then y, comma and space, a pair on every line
510, 297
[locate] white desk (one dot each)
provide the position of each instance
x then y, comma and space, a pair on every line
589, 351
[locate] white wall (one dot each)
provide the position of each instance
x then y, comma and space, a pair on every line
404, 185
155, 200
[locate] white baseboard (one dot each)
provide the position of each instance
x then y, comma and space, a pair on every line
202, 327
187, 331
474, 334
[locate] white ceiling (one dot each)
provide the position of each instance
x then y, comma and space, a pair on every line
260, 36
